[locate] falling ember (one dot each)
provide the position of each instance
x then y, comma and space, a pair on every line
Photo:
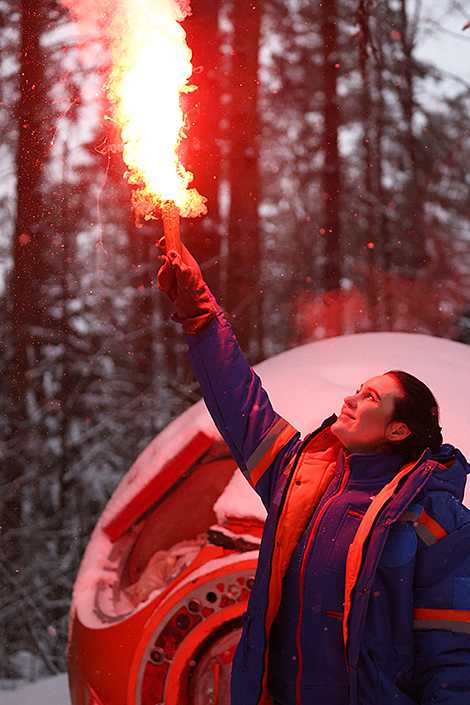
151, 67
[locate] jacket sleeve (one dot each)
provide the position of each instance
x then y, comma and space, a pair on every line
261, 441
442, 617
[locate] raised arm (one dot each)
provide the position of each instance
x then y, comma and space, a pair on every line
260, 440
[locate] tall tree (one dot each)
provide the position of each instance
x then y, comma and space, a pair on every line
331, 177
243, 265
28, 248
202, 148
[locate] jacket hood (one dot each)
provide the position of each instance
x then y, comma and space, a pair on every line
451, 472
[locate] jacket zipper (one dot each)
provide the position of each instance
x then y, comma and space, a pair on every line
328, 422
302, 574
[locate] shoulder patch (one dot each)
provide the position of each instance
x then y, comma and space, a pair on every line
425, 526
400, 546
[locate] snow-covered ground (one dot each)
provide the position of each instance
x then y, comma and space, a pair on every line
47, 691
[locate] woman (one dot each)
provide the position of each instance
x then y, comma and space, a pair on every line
362, 591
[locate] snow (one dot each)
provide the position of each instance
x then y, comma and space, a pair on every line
308, 383
95, 566
235, 501
47, 691
305, 385
160, 451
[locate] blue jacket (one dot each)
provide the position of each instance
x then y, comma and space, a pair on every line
399, 548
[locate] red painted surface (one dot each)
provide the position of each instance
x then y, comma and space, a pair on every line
161, 483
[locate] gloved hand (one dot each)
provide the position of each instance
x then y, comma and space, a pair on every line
180, 278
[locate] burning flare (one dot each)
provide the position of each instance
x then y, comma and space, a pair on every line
151, 67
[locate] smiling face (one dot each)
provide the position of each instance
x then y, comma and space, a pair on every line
364, 424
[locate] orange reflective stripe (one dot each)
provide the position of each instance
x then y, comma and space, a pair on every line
431, 524
425, 526
278, 443
421, 613
443, 620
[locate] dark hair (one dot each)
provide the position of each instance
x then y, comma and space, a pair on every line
418, 408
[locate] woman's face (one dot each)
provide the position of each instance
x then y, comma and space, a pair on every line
364, 424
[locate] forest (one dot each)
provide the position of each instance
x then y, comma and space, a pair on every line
335, 160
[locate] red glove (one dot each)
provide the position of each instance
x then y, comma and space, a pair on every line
180, 278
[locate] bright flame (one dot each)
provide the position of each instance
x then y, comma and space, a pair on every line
151, 69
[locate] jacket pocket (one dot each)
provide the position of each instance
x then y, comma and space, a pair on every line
343, 537
387, 692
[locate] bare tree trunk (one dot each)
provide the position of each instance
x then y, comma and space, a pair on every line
331, 177
28, 246
415, 254
243, 267
370, 147
202, 149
